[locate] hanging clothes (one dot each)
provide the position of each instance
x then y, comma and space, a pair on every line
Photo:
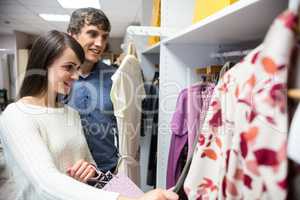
241, 151
144, 101
199, 96
191, 108
127, 94
151, 110
178, 139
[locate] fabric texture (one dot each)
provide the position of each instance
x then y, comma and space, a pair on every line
90, 96
199, 96
127, 94
191, 108
40, 144
179, 138
6, 183
123, 185
241, 150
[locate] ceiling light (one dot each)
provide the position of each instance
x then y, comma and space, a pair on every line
55, 18
79, 3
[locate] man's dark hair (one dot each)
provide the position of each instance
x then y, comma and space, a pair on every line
45, 50
89, 16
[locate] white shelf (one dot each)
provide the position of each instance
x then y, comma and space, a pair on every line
155, 49
245, 20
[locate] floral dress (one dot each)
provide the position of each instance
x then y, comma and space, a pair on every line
241, 150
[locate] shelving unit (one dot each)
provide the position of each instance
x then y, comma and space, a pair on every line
243, 21
239, 26
155, 49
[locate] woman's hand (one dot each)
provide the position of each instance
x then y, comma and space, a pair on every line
82, 171
157, 194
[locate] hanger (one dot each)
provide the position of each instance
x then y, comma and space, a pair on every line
228, 65
229, 54
131, 49
120, 59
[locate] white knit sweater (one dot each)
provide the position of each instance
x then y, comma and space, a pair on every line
40, 143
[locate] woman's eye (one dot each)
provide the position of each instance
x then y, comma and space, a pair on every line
68, 67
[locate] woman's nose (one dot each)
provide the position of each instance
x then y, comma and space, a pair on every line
75, 75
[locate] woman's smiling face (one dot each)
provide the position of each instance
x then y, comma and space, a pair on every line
63, 72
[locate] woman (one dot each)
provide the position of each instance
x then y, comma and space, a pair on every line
44, 144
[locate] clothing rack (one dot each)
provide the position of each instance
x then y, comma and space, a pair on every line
231, 54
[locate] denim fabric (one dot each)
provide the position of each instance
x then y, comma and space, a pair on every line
90, 96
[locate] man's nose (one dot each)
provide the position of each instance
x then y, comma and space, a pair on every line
99, 42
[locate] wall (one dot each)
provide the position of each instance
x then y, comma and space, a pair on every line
115, 45
146, 12
23, 42
7, 42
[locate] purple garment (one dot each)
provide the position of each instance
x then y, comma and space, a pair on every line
179, 138
191, 107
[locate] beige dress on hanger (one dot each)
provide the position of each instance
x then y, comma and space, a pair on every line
127, 94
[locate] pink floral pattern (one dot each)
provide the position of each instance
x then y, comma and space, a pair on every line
241, 151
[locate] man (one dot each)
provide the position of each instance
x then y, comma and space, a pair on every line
91, 93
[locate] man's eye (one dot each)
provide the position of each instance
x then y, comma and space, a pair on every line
93, 34
104, 37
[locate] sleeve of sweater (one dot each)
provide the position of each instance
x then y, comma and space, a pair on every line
26, 148
88, 156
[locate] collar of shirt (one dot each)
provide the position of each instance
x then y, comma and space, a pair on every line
96, 67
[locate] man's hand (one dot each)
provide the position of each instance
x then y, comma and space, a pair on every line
82, 171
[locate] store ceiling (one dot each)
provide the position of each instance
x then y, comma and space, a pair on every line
22, 15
